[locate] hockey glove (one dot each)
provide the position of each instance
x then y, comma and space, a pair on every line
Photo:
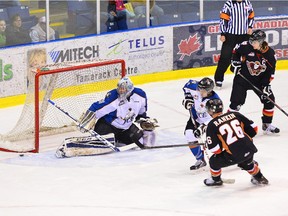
200, 131
267, 91
188, 102
148, 124
235, 66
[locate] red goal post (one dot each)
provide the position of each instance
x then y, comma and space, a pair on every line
74, 86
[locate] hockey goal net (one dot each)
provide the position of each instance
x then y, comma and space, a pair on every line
74, 86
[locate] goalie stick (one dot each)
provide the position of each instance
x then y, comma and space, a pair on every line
92, 132
258, 90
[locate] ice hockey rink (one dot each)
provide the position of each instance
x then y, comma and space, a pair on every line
154, 182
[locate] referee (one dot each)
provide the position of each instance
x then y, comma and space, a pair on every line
236, 23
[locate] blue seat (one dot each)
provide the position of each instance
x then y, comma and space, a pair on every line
5, 4
169, 19
23, 11
81, 18
190, 17
153, 21
77, 5
27, 24
188, 7
212, 14
132, 23
282, 10
265, 11
81, 24
4, 14
169, 8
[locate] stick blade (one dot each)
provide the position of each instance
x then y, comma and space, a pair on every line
228, 181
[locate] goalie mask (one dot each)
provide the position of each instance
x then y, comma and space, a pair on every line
214, 106
125, 87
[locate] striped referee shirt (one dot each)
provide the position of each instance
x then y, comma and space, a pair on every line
236, 17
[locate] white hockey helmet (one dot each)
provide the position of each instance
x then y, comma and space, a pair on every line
125, 87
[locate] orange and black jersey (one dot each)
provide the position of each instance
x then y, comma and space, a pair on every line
258, 67
233, 133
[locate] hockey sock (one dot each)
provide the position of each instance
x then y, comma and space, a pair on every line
197, 152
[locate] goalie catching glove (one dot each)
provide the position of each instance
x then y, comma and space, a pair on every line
148, 124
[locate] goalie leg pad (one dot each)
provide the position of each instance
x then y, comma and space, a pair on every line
80, 149
83, 146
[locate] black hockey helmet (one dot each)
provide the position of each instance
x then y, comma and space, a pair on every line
214, 106
257, 35
207, 84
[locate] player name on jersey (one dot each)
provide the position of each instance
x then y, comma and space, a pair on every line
224, 118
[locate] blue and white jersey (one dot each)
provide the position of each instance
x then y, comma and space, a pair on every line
121, 113
198, 110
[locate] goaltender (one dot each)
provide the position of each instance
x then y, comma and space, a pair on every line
115, 114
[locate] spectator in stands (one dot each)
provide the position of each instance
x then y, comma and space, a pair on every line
38, 32
2, 33
236, 23
15, 34
139, 7
118, 13
118, 10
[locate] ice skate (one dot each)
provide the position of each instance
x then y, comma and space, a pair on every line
218, 85
259, 181
211, 182
269, 129
199, 163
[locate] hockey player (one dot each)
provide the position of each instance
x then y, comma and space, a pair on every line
255, 60
116, 114
196, 95
228, 137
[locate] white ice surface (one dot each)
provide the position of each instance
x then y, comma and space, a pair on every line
148, 182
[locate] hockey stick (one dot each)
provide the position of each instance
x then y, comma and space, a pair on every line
173, 146
92, 132
259, 91
228, 181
